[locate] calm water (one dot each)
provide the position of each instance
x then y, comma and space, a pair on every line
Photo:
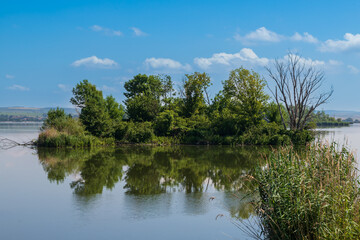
128, 193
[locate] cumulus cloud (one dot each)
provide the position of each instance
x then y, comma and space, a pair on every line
166, 63
264, 35
18, 88
138, 32
95, 62
245, 55
8, 76
350, 42
306, 37
353, 69
260, 34
107, 31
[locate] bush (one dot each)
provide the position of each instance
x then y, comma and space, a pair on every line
164, 123
52, 138
139, 132
300, 137
264, 134
58, 120
310, 196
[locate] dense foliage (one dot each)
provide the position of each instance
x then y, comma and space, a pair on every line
154, 113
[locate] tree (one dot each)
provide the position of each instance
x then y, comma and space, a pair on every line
94, 114
115, 110
244, 90
143, 97
296, 85
195, 93
167, 91
54, 116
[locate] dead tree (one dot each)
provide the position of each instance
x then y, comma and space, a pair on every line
297, 83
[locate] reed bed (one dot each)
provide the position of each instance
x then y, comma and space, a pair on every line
309, 195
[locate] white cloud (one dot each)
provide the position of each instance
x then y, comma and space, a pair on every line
308, 61
63, 87
95, 62
350, 42
106, 88
18, 88
264, 35
260, 34
353, 69
107, 31
306, 37
335, 63
8, 76
166, 63
138, 32
245, 55
96, 28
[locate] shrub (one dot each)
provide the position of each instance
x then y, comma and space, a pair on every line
138, 132
58, 120
164, 123
264, 134
52, 138
300, 137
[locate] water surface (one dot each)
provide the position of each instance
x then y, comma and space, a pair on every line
126, 193
131, 192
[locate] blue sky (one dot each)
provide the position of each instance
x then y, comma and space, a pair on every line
48, 46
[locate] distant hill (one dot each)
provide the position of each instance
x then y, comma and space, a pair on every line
343, 114
23, 114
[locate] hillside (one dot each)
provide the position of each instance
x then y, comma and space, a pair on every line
343, 114
24, 114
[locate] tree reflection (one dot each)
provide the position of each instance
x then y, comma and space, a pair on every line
154, 170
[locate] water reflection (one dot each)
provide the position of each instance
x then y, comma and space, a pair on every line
152, 170
145, 172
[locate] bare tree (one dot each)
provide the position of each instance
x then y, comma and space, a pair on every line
296, 87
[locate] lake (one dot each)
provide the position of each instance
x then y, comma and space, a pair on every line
132, 192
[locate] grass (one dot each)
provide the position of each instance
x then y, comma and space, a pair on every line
312, 195
53, 138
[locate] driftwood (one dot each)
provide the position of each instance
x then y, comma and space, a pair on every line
6, 143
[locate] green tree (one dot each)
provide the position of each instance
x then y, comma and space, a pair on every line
94, 114
54, 116
272, 113
143, 97
195, 93
116, 111
245, 92
167, 91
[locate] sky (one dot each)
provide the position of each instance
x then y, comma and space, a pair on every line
47, 47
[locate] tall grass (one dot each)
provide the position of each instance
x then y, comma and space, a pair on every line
312, 195
53, 138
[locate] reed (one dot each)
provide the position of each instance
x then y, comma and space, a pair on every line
312, 195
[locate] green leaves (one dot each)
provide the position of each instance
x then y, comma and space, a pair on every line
245, 92
143, 97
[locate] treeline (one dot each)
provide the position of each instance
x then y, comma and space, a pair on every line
19, 118
321, 119
155, 113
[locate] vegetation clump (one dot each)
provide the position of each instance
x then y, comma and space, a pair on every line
60, 130
154, 113
310, 195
